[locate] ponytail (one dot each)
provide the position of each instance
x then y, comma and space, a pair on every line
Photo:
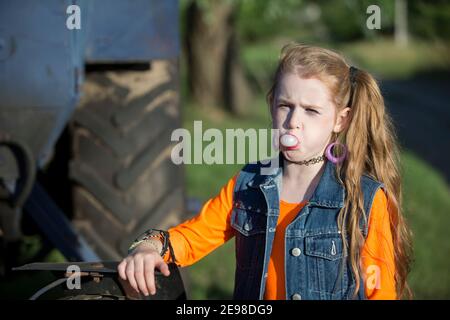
371, 139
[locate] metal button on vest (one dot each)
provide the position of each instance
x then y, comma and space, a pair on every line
296, 252
246, 227
296, 296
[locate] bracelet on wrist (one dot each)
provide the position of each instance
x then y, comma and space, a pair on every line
161, 235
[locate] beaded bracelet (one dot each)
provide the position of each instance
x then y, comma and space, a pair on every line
146, 236
162, 235
138, 243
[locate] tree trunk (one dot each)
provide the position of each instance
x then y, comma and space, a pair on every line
401, 23
215, 75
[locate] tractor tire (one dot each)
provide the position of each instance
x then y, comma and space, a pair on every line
124, 181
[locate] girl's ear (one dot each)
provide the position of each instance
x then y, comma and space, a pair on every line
342, 120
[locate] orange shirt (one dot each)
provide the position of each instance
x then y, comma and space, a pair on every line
275, 286
210, 228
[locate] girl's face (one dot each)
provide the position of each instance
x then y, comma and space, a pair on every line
304, 108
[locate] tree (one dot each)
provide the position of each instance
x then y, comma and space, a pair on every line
215, 74
401, 22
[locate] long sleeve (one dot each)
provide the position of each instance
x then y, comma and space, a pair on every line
378, 253
195, 238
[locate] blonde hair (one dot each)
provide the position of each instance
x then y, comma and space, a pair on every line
372, 150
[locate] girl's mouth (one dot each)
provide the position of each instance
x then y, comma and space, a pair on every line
289, 141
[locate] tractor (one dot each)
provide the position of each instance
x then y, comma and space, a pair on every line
89, 97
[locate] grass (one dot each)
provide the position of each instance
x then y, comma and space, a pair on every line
197, 174
381, 57
427, 207
398, 62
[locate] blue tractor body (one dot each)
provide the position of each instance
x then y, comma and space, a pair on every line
42, 72
42, 61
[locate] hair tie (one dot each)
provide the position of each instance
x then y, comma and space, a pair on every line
353, 70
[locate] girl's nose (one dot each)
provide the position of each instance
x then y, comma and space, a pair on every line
295, 119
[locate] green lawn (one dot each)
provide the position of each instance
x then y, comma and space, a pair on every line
381, 57
427, 207
398, 62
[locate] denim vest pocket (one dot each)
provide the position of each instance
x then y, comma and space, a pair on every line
326, 265
248, 221
250, 237
326, 245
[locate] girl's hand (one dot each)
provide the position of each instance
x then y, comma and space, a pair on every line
138, 267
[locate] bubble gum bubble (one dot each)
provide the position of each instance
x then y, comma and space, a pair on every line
288, 140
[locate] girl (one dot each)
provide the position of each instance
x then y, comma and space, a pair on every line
327, 223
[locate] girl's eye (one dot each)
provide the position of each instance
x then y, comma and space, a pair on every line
312, 110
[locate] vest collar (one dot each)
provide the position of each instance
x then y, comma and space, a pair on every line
328, 193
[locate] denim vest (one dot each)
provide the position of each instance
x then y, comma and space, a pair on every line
314, 254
